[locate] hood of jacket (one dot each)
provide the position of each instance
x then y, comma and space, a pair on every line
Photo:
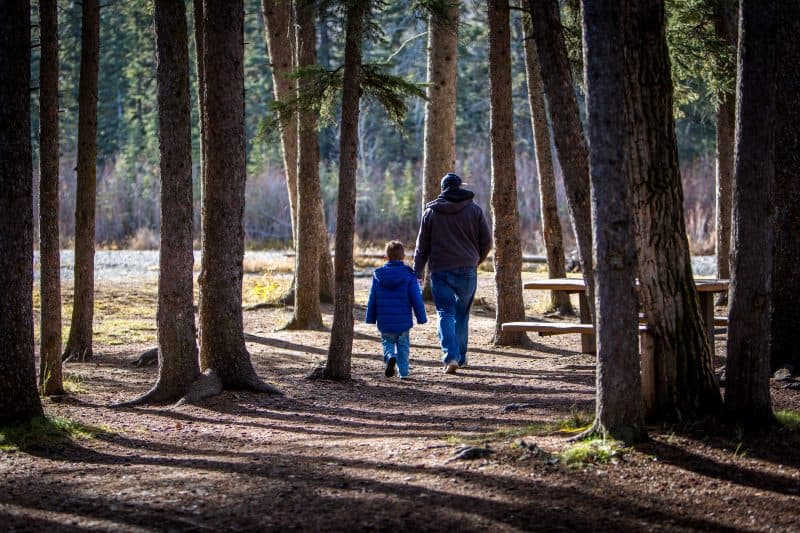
393, 274
451, 201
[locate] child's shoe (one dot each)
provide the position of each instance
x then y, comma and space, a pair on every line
390, 364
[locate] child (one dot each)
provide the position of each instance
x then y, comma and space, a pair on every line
393, 294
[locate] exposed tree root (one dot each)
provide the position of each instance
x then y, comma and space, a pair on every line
77, 355
207, 385
295, 325
627, 434
158, 395
321, 372
520, 341
146, 358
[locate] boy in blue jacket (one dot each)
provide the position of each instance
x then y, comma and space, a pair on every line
394, 293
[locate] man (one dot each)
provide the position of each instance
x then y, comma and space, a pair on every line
453, 240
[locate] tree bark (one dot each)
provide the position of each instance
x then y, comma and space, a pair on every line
222, 349
280, 25
619, 407
686, 387
725, 29
79, 343
747, 396
505, 217
785, 314
307, 314
567, 130
439, 155
281, 41
50, 378
340, 349
178, 365
19, 400
551, 225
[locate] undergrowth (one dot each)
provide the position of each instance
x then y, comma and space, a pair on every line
591, 452
44, 432
789, 419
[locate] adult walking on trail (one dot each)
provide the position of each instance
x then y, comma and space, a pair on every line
454, 238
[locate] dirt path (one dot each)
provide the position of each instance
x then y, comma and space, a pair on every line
377, 453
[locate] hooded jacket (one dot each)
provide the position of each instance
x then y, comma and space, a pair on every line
453, 233
393, 294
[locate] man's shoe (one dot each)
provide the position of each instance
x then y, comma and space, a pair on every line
451, 367
390, 364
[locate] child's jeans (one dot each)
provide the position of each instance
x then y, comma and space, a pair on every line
396, 345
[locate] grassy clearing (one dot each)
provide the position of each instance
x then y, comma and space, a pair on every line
789, 419
43, 432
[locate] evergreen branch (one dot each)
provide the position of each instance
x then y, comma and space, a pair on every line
389, 90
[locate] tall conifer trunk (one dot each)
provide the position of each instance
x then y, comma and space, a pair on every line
50, 379
747, 395
340, 350
686, 388
439, 156
505, 217
567, 130
19, 400
725, 29
222, 350
551, 224
307, 314
785, 314
280, 26
79, 343
178, 365
619, 408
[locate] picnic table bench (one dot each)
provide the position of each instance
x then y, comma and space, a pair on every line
706, 289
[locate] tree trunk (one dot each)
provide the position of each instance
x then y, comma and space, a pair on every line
567, 130
439, 156
280, 26
50, 379
79, 343
619, 408
439, 153
686, 387
178, 366
307, 314
340, 349
725, 29
747, 396
785, 315
505, 229
281, 40
222, 349
551, 225
19, 400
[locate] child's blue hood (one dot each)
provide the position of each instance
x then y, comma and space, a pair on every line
393, 274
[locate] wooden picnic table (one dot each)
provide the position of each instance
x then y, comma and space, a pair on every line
706, 289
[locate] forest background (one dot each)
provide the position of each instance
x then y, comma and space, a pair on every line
390, 158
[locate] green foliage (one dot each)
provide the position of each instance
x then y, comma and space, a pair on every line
44, 432
703, 64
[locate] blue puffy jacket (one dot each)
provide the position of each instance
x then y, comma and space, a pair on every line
393, 294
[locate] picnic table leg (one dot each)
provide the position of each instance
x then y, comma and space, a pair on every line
587, 339
648, 372
707, 312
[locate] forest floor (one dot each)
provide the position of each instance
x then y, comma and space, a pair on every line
376, 453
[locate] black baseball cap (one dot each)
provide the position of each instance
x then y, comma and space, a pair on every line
451, 180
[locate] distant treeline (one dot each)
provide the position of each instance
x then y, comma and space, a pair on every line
389, 184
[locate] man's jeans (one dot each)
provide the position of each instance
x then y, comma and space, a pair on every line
396, 345
453, 291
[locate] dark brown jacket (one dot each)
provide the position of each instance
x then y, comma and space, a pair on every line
453, 233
